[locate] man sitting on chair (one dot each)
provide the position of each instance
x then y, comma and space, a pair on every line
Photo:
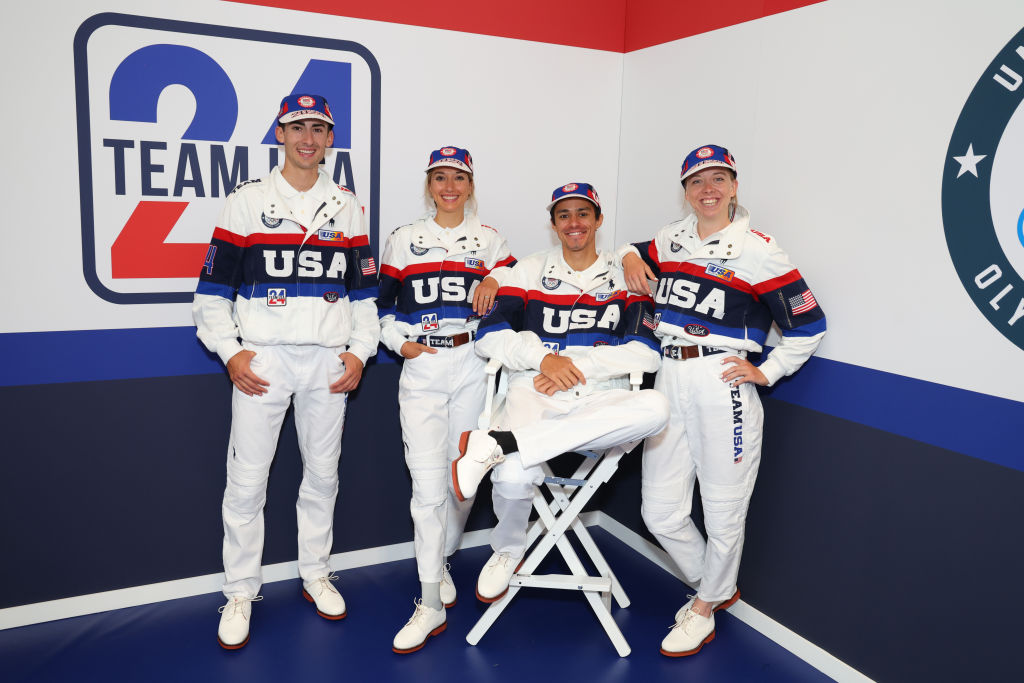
569, 333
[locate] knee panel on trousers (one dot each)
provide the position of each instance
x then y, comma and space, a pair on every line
429, 472
321, 484
725, 511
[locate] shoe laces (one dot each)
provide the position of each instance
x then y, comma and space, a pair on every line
500, 559
236, 605
446, 573
687, 620
324, 583
419, 613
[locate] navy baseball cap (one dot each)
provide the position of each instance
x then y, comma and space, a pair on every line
707, 156
298, 106
581, 190
454, 157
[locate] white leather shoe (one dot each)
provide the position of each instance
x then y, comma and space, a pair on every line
448, 595
425, 622
328, 601
494, 577
724, 604
233, 631
689, 635
479, 452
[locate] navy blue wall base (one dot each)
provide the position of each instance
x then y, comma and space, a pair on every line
80, 517
878, 548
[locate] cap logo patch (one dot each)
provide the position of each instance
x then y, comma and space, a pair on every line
705, 152
448, 151
307, 101
571, 187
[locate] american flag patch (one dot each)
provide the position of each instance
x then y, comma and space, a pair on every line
369, 266
803, 302
649, 322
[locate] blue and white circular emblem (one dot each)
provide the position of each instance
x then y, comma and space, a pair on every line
270, 222
982, 205
675, 246
419, 251
550, 283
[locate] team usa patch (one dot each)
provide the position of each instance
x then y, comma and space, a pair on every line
418, 251
270, 222
695, 330
675, 246
429, 322
720, 272
802, 302
571, 187
330, 235
306, 101
368, 266
331, 297
705, 152
650, 322
474, 263
551, 283
448, 151
277, 297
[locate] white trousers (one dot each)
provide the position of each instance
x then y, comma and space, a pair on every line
440, 396
302, 374
714, 436
545, 427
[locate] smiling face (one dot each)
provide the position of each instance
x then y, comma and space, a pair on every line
450, 188
305, 143
575, 222
709, 192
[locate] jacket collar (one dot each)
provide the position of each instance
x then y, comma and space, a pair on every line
727, 243
602, 271
335, 199
475, 239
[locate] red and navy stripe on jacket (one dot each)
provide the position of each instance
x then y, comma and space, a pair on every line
708, 294
565, 320
444, 288
327, 262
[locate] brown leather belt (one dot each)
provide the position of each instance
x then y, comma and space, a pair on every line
688, 352
436, 341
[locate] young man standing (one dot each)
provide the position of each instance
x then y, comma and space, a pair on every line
286, 299
569, 334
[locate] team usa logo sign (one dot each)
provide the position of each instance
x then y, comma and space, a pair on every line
982, 202
173, 115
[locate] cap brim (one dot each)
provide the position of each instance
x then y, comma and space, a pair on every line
300, 114
450, 163
700, 166
570, 196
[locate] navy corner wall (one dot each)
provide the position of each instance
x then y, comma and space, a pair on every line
900, 558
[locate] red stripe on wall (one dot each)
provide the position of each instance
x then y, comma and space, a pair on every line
613, 25
652, 22
597, 24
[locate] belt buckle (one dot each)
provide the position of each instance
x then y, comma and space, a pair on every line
675, 352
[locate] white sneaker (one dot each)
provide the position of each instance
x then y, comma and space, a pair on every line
689, 635
425, 622
479, 452
447, 588
328, 601
724, 604
233, 631
494, 577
